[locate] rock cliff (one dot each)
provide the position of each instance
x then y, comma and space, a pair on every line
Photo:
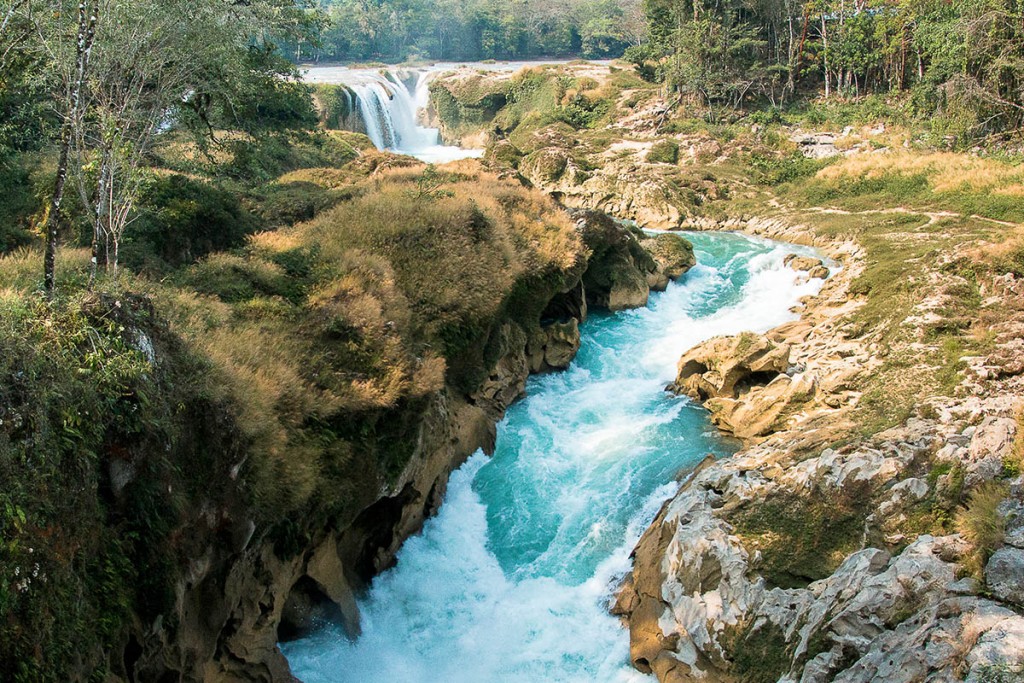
238, 595
806, 557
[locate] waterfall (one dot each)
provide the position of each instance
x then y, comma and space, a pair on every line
391, 111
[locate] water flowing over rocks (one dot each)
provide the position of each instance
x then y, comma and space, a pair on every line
242, 594
791, 561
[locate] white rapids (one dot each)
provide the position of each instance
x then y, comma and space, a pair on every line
512, 580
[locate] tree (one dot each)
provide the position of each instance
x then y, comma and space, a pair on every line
71, 84
129, 69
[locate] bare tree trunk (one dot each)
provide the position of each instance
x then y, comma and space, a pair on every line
824, 52
88, 16
100, 213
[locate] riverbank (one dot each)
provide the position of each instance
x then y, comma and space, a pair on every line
852, 523
527, 546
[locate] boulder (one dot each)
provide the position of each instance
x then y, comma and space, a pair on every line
991, 444
762, 410
814, 267
554, 346
503, 154
817, 146
1004, 575
673, 254
617, 271
725, 367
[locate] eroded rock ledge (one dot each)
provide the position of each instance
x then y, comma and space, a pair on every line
241, 593
797, 559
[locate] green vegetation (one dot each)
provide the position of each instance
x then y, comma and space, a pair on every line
760, 653
664, 152
78, 551
982, 525
474, 30
803, 537
304, 358
960, 62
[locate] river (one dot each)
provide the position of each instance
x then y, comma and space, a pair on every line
512, 580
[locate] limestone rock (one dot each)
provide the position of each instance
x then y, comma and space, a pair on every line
761, 410
617, 271
673, 254
991, 443
554, 346
552, 165
814, 267
1004, 575
725, 367
817, 145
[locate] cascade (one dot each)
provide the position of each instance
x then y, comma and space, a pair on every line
389, 109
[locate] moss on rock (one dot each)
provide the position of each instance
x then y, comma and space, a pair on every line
664, 152
673, 253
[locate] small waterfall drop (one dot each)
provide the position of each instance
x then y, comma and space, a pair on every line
390, 108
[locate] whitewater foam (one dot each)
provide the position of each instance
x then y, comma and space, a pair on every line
511, 582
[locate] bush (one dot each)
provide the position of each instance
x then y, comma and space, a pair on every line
182, 220
776, 169
982, 524
287, 203
266, 158
19, 203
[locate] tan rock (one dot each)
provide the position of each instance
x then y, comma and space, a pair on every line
725, 367
814, 267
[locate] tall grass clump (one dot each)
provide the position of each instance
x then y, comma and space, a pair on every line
982, 525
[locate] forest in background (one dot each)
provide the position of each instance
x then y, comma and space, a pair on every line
471, 30
962, 60
959, 60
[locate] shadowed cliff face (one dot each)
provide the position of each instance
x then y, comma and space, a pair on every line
261, 467
236, 603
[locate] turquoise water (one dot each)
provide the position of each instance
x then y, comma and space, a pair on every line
512, 580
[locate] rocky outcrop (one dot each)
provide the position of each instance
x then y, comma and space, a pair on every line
616, 276
800, 559
625, 266
726, 367
731, 584
743, 383
814, 267
673, 254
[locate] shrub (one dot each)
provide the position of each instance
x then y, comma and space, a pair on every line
664, 152
18, 204
776, 169
182, 220
235, 278
982, 525
287, 203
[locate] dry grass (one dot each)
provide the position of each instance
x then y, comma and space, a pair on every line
946, 171
398, 281
355, 314
22, 270
982, 525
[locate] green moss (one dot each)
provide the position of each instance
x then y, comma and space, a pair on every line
503, 154
804, 537
467, 105
664, 152
759, 652
547, 164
